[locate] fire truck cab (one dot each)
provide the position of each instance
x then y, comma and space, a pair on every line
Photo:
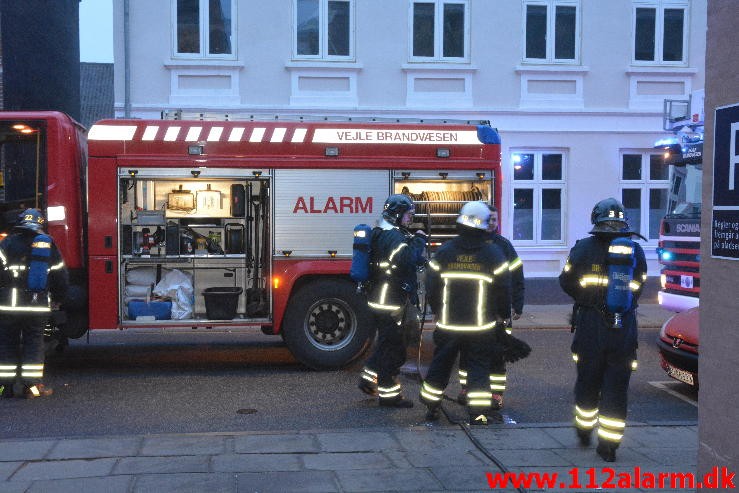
241, 224
679, 238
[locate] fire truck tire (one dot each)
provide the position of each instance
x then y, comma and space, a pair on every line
327, 324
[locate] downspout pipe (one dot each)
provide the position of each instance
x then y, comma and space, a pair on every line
126, 60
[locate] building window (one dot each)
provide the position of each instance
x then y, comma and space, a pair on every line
644, 191
660, 31
440, 30
205, 28
552, 31
538, 208
324, 29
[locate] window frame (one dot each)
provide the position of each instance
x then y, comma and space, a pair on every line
537, 184
438, 56
644, 185
550, 37
204, 32
323, 33
660, 6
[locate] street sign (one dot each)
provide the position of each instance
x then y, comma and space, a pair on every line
725, 206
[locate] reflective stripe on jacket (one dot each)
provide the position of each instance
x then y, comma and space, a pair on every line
468, 284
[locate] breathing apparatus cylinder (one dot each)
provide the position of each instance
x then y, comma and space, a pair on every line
38, 270
361, 253
621, 264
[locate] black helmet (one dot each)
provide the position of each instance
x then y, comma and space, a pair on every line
395, 206
609, 216
32, 220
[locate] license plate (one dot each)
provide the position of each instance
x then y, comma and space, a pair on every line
681, 375
686, 282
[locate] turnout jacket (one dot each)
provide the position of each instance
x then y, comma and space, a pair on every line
17, 251
468, 284
585, 275
396, 255
515, 269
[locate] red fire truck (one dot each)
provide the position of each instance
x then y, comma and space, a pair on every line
200, 224
679, 238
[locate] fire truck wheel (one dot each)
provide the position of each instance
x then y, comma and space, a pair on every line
327, 325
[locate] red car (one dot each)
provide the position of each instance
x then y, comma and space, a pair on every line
678, 346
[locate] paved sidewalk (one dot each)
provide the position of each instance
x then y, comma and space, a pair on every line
419, 458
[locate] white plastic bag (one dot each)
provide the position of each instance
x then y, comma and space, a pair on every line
177, 286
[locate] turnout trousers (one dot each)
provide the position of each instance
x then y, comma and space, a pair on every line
22, 348
497, 370
476, 348
389, 355
604, 358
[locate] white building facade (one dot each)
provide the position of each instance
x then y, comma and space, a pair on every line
575, 87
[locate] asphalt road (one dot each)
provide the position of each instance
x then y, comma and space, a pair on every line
124, 383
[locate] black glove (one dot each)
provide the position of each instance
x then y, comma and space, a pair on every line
513, 348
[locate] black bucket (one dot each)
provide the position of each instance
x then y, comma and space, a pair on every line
221, 303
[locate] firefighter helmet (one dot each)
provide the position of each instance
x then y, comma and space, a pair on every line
474, 215
32, 220
395, 206
609, 216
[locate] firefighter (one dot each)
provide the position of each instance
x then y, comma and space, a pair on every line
32, 277
469, 294
515, 270
397, 254
604, 345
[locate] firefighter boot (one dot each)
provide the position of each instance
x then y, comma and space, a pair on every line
478, 420
368, 387
607, 451
433, 409
583, 436
368, 382
6, 390
38, 390
397, 401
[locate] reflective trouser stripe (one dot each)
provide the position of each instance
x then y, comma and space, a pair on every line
32, 371
431, 393
481, 400
389, 392
369, 375
8, 371
462, 377
497, 382
585, 419
611, 429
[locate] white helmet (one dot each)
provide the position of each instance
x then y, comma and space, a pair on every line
474, 215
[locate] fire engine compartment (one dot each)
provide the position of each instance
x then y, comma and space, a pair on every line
218, 234
207, 239
439, 196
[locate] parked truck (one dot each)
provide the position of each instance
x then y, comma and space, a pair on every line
679, 238
197, 224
